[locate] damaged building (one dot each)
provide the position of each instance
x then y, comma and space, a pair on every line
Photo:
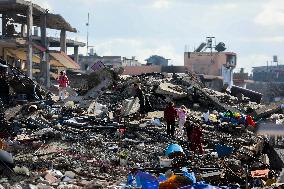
22, 46
98, 140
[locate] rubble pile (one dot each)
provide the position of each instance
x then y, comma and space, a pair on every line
93, 143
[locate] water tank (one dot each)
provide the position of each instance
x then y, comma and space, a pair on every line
92, 52
275, 58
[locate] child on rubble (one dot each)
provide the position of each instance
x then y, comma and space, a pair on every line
188, 128
182, 114
196, 139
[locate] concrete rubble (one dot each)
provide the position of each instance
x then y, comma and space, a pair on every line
94, 141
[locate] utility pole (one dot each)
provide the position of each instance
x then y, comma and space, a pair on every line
87, 24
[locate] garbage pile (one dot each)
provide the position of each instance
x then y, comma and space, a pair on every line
104, 143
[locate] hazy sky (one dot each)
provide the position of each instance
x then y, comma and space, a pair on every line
254, 29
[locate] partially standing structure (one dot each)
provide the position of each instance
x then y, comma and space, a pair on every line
25, 48
211, 60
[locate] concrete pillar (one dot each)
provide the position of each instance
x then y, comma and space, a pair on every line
76, 54
29, 61
4, 22
47, 67
23, 30
45, 64
63, 40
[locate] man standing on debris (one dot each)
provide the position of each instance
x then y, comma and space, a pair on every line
4, 92
139, 94
170, 115
63, 82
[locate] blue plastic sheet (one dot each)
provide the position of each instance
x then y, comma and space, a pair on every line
199, 185
146, 180
173, 148
203, 185
223, 150
191, 176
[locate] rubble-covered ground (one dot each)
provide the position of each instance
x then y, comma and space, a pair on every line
83, 143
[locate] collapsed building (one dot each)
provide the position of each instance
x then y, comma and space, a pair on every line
95, 139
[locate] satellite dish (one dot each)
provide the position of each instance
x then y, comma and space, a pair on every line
220, 47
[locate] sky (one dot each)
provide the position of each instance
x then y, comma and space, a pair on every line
254, 29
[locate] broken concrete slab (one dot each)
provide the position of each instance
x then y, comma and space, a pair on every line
171, 90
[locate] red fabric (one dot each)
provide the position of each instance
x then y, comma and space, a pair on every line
249, 121
63, 81
196, 135
260, 173
196, 140
170, 114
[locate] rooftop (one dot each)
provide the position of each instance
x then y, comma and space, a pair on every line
17, 11
55, 42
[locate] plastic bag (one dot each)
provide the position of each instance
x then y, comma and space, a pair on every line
206, 116
156, 122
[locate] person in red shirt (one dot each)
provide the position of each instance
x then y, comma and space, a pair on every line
170, 115
196, 139
63, 82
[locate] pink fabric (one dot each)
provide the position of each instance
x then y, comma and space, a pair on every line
181, 114
63, 81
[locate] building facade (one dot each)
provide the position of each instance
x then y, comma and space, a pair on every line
268, 73
130, 61
209, 63
86, 62
212, 63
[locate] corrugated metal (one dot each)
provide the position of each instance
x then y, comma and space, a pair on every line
21, 54
65, 60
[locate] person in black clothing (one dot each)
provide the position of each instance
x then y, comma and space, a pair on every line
4, 92
140, 95
188, 127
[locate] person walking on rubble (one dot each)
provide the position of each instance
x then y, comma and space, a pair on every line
140, 95
196, 139
170, 115
63, 82
182, 114
188, 128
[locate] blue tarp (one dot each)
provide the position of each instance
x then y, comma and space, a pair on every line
191, 176
223, 150
146, 180
203, 185
130, 179
199, 185
173, 148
